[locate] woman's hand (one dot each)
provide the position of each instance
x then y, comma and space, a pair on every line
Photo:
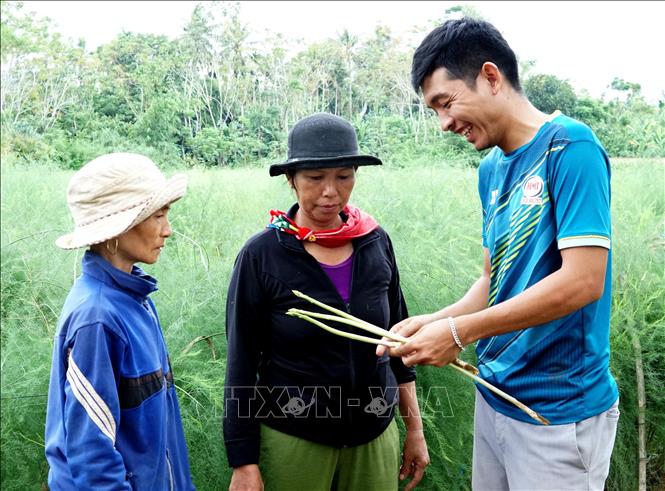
246, 478
407, 328
414, 459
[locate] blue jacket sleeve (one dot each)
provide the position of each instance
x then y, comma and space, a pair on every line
92, 409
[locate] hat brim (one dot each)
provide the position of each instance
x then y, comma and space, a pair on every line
113, 225
100, 230
324, 163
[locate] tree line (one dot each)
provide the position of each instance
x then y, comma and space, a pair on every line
213, 96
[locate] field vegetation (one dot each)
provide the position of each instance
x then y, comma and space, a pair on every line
432, 214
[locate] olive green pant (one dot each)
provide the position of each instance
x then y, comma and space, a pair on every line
289, 463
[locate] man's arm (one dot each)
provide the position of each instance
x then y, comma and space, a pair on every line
578, 282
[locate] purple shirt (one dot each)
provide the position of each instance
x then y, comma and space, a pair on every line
340, 275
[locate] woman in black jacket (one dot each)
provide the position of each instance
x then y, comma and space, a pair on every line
317, 408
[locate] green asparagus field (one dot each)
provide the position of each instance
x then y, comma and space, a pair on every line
433, 217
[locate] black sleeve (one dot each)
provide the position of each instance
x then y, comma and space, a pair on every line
398, 312
245, 305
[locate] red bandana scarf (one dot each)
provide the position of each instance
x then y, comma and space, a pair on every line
357, 224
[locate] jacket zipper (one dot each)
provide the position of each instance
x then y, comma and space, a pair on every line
346, 305
168, 464
354, 266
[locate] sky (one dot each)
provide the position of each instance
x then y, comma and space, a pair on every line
586, 43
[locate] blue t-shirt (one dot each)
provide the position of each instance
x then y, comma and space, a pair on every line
550, 194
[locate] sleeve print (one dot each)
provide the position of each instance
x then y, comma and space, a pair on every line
93, 404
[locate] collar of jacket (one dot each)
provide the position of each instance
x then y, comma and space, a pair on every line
138, 283
291, 242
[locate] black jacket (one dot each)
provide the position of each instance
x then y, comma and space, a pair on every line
293, 376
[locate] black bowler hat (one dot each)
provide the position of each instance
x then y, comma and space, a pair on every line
320, 141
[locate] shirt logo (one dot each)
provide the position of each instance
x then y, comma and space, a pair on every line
532, 188
495, 195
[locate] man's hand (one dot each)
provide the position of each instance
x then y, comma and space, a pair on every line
246, 478
407, 328
414, 459
432, 344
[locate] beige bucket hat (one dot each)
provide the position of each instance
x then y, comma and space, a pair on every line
112, 193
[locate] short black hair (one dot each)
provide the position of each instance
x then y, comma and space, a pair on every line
461, 46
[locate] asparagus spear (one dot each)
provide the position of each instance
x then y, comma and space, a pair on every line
346, 318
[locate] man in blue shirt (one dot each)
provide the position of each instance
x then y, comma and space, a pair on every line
540, 310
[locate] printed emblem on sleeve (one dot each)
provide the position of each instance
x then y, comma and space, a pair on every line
532, 189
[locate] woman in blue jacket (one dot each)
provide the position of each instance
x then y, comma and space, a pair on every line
304, 409
113, 421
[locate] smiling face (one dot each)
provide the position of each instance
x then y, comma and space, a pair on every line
142, 243
322, 194
473, 113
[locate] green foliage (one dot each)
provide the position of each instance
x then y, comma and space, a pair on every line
207, 147
463, 10
72, 154
160, 122
548, 93
626, 128
20, 32
433, 216
213, 97
623, 85
27, 145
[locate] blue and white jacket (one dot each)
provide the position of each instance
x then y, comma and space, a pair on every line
113, 420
